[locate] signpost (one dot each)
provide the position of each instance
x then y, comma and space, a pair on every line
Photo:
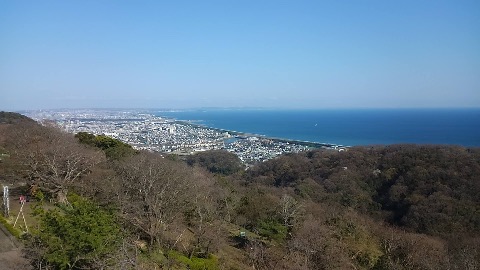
6, 202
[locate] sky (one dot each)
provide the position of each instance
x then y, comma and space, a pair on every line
239, 53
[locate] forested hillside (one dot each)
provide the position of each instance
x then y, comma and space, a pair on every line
98, 204
426, 189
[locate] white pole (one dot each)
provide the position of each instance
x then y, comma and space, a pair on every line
6, 201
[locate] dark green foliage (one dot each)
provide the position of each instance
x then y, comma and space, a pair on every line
86, 138
11, 118
119, 152
273, 230
257, 205
194, 263
430, 189
78, 236
113, 148
433, 189
217, 161
105, 142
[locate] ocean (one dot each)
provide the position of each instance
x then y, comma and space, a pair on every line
346, 127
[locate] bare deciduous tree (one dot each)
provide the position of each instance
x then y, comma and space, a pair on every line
203, 215
290, 209
154, 192
52, 159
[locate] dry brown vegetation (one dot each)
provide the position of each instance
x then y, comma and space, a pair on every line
392, 207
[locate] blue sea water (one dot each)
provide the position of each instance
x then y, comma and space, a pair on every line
347, 127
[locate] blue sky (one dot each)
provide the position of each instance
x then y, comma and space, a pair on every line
278, 54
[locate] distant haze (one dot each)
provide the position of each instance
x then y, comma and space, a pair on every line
277, 54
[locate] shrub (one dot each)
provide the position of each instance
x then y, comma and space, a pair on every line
210, 263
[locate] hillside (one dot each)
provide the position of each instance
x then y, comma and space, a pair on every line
98, 204
426, 189
12, 118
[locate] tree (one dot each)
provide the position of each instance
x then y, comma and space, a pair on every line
86, 138
217, 161
51, 159
202, 215
13, 118
290, 209
154, 192
113, 148
78, 236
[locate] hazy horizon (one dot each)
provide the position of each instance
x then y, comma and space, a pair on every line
267, 54
241, 108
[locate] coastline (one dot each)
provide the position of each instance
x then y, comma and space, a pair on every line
344, 127
244, 135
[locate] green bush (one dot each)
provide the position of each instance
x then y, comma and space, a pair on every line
75, 236
113, 148
273, 230
217, 161
210, 263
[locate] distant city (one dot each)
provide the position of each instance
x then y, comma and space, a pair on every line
143, 130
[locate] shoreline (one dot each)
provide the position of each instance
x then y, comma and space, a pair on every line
346, 127
239, 134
